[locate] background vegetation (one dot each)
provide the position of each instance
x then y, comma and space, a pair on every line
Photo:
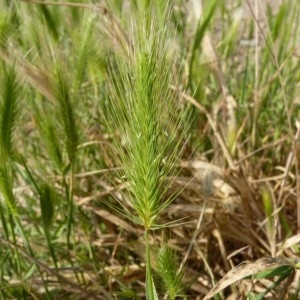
212, 89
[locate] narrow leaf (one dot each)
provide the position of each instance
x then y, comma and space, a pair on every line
151, 293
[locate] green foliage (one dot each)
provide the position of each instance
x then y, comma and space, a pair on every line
50, 137
93, 117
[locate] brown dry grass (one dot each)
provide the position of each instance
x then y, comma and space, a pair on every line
218, 219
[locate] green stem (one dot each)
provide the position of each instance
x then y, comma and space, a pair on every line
69, 193
149, 282
69, 197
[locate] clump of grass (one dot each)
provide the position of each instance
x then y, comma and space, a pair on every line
147, 116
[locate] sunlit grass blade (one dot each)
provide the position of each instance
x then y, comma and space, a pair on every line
202, 26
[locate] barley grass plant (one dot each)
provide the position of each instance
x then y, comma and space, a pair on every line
167, 267
92, 100
10, 115
147, 116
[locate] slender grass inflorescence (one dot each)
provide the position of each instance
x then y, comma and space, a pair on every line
9, 112
10, 104
167, 266
67, 118
147, 115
